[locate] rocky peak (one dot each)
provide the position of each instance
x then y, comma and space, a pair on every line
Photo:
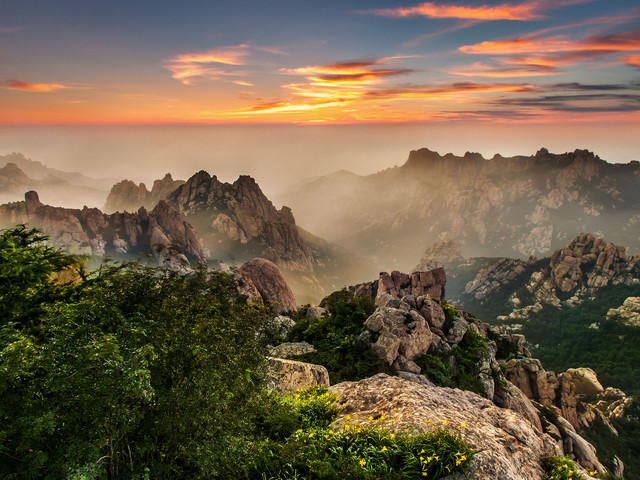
120, 235
239, 220
32, 202
126, 196
12, 171
438, 254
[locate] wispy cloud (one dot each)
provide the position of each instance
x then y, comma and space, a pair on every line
525, 11
504, 11
14, 84
545, 55
215, 64
206, 65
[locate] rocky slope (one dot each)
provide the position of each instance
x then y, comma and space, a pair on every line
129, 196
161, 232
526, 412
518, 206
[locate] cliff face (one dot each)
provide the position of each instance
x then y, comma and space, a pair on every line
161, 232
516, 206
239, 220
128, 196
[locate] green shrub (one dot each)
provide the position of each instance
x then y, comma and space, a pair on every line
341, 340
559, 468
366, 452
456, 368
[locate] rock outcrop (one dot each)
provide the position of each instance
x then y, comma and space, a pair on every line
286, 376
128, 196
507, 445
263, 277
628, 312
576, 272
397, 284
161, 233
490, 281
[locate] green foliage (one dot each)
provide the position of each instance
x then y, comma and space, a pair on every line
624, 445
341, 340
130, 368
559, 468
31, 275
565, 338
365, 452
312, 407
456, 367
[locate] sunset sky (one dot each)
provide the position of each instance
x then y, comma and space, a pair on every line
169, 62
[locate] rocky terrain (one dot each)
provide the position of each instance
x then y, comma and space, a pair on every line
628, 312
129, 196
513, 207
523, 412
161, 232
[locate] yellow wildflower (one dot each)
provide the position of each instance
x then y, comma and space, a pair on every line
363, 462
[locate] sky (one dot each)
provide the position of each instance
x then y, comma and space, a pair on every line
253, 79
377, 61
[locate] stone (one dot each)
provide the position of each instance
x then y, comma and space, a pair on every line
315, 312
507, 445
267, 280
400, 333
585, 381
286, 376
507, 395
291, 349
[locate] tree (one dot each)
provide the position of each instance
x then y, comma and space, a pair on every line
129, 368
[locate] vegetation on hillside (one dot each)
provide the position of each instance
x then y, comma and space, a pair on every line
136, 372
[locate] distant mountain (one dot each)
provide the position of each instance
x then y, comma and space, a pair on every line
516, 207
19, 175
128, 196
238, 222
161, 233
38, 171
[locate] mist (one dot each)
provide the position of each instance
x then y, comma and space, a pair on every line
279, 156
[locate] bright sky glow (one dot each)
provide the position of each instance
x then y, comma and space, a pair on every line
120, 62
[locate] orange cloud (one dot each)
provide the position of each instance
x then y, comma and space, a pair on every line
504, 11
14, 84
632, 60
208, 65
532, 56
376, 95
626, 41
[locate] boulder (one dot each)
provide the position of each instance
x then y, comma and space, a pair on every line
267, 280
286, 376
291, 349
507, 445
585, 381
401, 333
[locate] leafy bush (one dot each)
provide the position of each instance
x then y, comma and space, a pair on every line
456, 367
341, 340
366, 452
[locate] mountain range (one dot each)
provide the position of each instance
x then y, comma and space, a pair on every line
516, 206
